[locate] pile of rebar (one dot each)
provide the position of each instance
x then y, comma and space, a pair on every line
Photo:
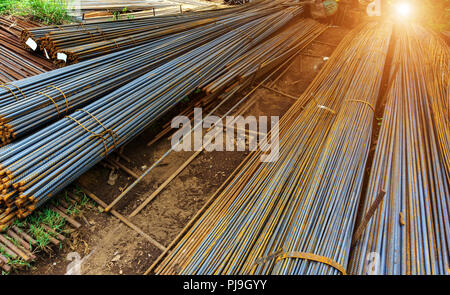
155, 11
268, 54
73, 43
15, 25
37, 167
409, 233
296, 215
15, 62
28, 104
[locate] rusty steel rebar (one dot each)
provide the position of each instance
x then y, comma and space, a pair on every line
409, 233
37, 167
29, 104
76, 42
15, 62
296, 215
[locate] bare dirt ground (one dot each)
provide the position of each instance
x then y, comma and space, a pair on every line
110, 247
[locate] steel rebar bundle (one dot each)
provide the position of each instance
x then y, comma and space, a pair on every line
15, 62
409, 232
37, 167
29, 104
81, 31
155, 11
268, 54
73, 43
296, 215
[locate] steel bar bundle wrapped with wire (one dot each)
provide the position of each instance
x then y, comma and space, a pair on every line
73, 43
37, 167
296, 215
409, 232
76, 34
29, 104
15, 62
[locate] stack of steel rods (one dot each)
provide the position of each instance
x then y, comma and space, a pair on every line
88, 49
13, 66
15, 62
78, 42
37, 167
15, 24
438, 69
29, 104
34, 36
176, 9
296, 215
266, 54
409, 232
76, 46
244, 71
303, 38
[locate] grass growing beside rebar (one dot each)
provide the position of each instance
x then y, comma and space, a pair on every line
85, 201
38, 224
14, 262
46, 11
45, 217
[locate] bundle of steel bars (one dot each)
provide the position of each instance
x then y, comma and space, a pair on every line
37, 167
268, 54
73, 43
15, 62
409, 232
15, 24
155, 11
296, 215
29, 104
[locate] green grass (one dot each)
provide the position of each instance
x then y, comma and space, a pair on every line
49, 218
53, 219
72, 210
85, 200
40, 235
34, 222
46, 11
